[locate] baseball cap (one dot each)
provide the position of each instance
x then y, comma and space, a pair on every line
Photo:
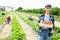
47, 5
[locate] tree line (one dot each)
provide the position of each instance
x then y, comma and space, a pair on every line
54, 10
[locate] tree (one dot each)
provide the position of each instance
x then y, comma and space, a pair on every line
19, 8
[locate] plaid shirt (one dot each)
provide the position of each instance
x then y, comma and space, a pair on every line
42, 18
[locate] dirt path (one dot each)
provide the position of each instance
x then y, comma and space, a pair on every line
30, 35
56, 23
6, 31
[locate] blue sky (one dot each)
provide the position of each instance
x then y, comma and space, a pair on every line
29, 4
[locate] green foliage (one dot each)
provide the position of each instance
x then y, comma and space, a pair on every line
2, 18
17, 31
20, 8
54, 11
32, 24
56, 28
55, 36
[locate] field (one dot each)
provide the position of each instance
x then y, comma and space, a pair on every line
37, 15
18, 32
35, 26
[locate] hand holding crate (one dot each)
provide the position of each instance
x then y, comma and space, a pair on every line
46, 24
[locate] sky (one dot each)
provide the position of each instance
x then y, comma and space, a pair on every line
29, 4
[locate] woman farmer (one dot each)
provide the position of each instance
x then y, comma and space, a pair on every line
44, 20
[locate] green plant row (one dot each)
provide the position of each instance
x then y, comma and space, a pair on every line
17, 31
32, 24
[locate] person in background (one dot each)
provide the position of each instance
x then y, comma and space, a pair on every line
8, 19
30, 18
44, 33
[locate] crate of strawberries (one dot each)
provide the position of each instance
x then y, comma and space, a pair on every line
46, 24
